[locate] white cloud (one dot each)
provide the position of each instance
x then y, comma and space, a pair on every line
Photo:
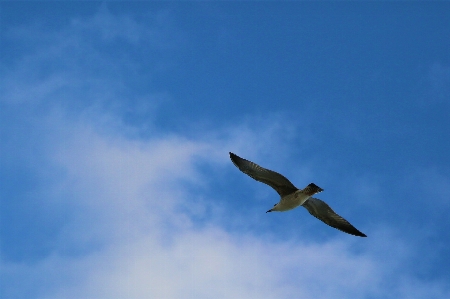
126, 197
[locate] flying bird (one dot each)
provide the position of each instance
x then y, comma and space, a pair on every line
292, 197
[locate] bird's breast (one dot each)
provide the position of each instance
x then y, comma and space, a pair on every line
292, 200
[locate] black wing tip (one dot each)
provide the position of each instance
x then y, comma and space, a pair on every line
236, 159
357, 233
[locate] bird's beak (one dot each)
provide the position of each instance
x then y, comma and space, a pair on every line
269, 211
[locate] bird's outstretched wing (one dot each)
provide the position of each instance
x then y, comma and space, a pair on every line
275, 180
322, 211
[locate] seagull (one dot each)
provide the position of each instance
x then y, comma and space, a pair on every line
292, 197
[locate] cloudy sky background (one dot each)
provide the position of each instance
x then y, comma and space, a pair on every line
117, 120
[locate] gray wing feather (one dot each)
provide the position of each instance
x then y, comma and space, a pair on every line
323, 212
275, 180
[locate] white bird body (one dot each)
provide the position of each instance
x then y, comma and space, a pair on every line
290, 201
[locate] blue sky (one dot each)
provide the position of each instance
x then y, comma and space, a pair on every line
116, 123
